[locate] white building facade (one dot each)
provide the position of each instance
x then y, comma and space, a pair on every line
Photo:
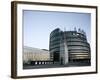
35, 54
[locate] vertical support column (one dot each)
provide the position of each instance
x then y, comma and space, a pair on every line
64, 59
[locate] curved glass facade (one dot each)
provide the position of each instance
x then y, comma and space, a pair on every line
76, 41
54, 46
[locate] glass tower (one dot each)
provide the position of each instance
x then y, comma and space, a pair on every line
69, 47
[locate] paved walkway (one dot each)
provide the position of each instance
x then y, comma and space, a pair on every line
55, 65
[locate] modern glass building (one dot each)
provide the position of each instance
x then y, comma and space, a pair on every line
69, 47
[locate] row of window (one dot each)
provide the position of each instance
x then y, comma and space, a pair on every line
75, 34
70, 43
77, 47
78, 51
55, 38
57, 34
58, 38
33, 56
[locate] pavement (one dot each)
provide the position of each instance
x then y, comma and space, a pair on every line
55, 65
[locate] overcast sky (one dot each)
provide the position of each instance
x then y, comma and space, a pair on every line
39, 24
